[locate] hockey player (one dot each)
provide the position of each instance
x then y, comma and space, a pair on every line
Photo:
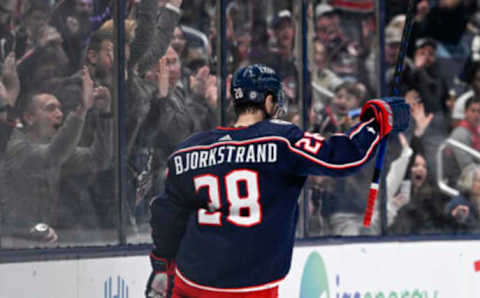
225, 225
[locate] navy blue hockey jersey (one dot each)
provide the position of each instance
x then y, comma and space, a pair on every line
229, 210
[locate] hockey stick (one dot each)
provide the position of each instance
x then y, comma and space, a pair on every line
374, 186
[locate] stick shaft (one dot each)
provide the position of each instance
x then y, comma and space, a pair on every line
374, 186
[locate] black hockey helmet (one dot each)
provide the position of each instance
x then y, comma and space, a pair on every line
254, 82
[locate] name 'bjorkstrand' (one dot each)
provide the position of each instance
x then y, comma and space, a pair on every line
198, 159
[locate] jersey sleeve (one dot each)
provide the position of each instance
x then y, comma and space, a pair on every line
169, 217
338, 155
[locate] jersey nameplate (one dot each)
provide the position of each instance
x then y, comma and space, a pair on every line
198, 159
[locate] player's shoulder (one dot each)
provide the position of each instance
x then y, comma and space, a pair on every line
280, 128
279, 122
278, 125
196, 139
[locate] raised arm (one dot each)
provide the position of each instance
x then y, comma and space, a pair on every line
144, 31
9, 85
99, 155
342, 154
164, 26
62, 144
339, 155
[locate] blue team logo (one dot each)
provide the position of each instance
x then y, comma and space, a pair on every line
314, 282
115, 288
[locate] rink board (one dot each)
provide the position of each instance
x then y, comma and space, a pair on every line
406, 269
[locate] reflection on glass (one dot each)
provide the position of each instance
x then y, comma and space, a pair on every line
57, 185
183, 101
341, 39
418, 202
463, 210
56, 149
419, 206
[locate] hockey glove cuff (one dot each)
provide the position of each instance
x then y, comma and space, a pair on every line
160, 282
392, 114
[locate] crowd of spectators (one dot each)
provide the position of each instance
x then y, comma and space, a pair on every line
57, 152
58, 76
439, 82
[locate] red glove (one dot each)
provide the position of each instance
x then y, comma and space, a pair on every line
381, 111
160, 283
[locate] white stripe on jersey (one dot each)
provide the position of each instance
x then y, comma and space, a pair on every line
229, 290
293, 149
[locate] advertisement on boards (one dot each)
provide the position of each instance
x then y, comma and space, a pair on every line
119, 277
378, 270
403, 270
